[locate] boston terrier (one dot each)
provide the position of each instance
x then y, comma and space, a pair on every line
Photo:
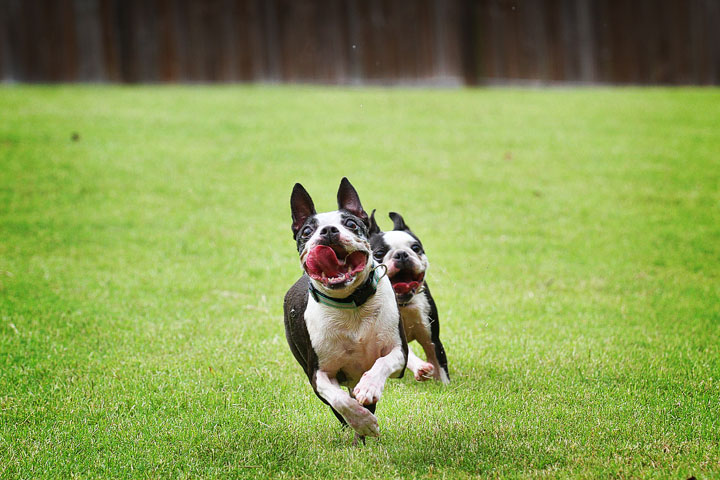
341, 318
403, 254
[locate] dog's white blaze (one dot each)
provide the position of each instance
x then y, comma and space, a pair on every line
398, 239
329, 218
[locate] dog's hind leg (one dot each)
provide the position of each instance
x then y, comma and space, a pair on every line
438, 351
443, 376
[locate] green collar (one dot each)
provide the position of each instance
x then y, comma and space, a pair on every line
357, 298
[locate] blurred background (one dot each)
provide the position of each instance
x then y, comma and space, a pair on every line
403, 42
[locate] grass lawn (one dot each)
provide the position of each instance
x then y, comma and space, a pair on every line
574, 241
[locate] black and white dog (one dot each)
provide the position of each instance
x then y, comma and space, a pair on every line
403, 254
341, 318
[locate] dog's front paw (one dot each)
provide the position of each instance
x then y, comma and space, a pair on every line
368, 390
424, 372
361, 419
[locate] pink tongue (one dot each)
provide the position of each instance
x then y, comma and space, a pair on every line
322, 259
356, 261
403, 288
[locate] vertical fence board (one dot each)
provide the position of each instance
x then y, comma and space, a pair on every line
713, 40
88, 30
5, 60
554, 29
469, 41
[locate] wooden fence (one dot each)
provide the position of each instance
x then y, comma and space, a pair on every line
361, 41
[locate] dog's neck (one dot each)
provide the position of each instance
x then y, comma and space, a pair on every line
357, 298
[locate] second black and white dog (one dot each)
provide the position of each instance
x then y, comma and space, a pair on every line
341, 317
403, 254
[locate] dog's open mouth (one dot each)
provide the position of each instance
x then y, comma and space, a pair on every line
406, 281
333, 265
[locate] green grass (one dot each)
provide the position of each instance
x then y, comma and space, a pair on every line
574, 240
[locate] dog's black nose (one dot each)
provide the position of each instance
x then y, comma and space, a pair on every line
401, 256
329, 232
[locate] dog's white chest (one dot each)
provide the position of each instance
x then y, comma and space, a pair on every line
415, 318
352, 340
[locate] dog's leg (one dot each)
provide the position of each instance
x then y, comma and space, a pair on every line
439, 373
358, 417
442, 373
370, 387
371, 408
421, 369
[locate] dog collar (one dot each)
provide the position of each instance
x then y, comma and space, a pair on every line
357, 298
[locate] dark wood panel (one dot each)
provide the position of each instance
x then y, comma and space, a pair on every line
361, 41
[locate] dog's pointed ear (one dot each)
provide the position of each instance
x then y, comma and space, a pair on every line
301, 206
348, 200
398, 221
373, 228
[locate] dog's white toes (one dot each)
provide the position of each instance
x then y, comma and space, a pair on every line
424, 372
367, 397
368, 390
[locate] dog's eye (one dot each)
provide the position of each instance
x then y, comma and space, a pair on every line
350, 223
416, 248
306, 232
379, 255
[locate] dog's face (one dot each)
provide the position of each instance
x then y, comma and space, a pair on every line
403, 254
333, 246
